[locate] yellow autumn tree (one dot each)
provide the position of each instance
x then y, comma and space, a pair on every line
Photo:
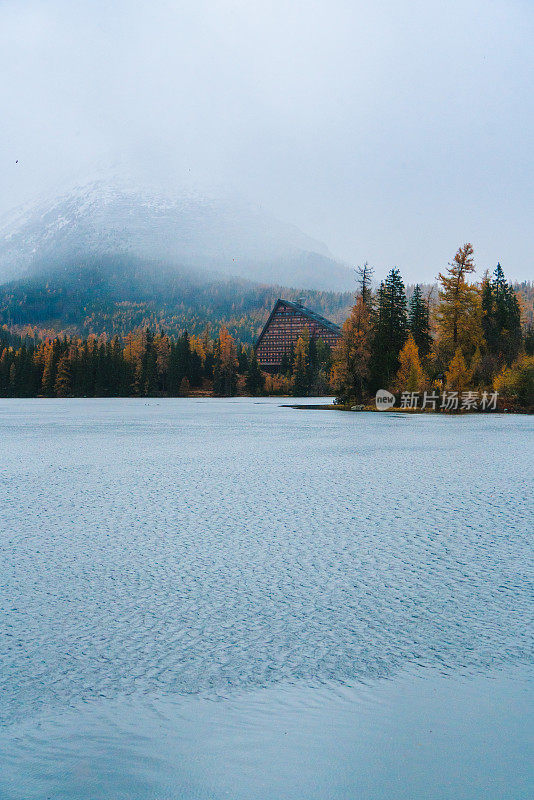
196, 345
162, 346
225, 366
351, 355
49, 371
458, 376
134, 346
459, 311
63, 382
516, 382
410, 377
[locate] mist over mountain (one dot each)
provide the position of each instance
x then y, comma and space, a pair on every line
120, 294
209, 237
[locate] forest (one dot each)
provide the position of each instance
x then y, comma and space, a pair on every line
143, 363
470, 336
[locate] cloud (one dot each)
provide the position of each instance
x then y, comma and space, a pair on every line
392, 131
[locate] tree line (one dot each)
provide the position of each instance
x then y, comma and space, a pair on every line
142, 364
476, 336
152, 364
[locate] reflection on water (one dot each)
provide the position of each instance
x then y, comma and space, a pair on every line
265, 562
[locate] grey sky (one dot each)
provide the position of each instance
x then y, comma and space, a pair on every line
394, 131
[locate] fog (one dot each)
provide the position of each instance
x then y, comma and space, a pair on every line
392, 131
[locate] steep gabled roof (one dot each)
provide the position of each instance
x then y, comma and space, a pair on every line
311, 315
314, 316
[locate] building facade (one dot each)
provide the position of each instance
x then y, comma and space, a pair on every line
284, 326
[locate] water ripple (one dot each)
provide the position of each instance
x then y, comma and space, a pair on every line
209, 546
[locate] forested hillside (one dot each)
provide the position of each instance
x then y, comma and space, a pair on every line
115, 298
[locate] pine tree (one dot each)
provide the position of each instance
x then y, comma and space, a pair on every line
300, 370
12, 379
389, 331
178, 364
149, 364
242, 360
322, 379
419, 322
254, 378
501, 318
285, 365
313, 363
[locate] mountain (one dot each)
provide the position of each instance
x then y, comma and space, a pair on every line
210, 237
118, 294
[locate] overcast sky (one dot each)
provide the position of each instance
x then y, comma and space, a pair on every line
392, 130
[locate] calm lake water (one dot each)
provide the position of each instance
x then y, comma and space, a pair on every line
232, 599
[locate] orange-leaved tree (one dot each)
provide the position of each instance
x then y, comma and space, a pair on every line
459, 311
225, 365
410, 377
351, 355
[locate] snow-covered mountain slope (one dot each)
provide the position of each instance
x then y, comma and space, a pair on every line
200, 235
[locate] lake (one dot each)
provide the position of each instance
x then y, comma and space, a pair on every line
213, 599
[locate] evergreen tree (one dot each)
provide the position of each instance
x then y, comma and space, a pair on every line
322, 379
63, 382
285, 365
501, 318
389, 330
176, 367
300, 370
195, 368
419, 322
149, 367
312, 363
242, 360
254, 378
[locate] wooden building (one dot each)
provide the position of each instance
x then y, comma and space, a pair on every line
284, 326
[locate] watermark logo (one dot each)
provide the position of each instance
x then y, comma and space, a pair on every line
384, 400
434, 401
450, 401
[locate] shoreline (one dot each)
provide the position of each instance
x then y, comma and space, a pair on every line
395, 410
360, 408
